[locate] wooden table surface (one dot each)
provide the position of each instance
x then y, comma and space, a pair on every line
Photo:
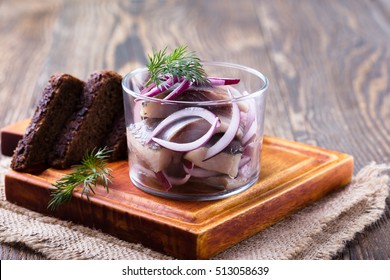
328, 63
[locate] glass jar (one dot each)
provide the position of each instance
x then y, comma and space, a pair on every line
205, 144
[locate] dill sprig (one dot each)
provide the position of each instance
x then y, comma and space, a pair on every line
88, 174
180, 64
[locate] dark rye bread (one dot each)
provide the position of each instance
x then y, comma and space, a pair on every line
116, 140
89, 127
58, 101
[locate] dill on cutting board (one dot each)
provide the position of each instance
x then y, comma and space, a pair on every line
88, 174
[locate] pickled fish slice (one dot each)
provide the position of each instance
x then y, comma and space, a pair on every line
153, 155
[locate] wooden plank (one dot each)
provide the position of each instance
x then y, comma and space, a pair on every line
292, 176
331, 64
327, 62
10, 136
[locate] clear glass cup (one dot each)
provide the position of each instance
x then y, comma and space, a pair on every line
214, 135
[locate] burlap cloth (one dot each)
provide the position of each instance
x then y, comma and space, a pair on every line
317, 232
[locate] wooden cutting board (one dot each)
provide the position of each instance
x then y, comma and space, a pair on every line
293, 175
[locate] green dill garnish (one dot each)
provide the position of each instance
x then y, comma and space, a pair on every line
88, 174
180, 64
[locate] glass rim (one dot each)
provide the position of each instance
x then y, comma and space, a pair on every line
250, 70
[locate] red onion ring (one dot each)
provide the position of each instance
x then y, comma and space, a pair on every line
228, 136
163, 87
184, 113
163, 180
218, 81
235, 92
250, 134
137, 110
166, 181
173, 181
250, 116
183, 86
186, 147
244, 160
148, 88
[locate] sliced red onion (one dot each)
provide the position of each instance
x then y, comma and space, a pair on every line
174, 181
250, 116
228, 136
163, 87
166, 181
217, 81
183, 86
157, 175
186, 130
244, 161
163, 180
184, 113
137, 110
235, 92
250, 134
148, 88
186, 147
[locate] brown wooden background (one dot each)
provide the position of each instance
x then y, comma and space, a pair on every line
328, 63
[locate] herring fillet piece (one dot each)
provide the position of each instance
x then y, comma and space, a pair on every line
224, 162
157, 158
155, 109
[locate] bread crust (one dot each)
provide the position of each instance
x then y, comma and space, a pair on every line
88, 128
57, 103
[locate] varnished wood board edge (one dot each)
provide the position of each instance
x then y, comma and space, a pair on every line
133, 226
183, 236
10, 136
176, 240
275, 207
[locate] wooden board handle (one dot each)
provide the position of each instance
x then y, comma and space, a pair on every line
10, 136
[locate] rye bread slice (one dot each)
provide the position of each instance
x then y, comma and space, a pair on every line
58, 102
116, 140
87, 129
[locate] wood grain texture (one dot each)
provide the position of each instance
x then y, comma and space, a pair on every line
327, 61
293, 175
